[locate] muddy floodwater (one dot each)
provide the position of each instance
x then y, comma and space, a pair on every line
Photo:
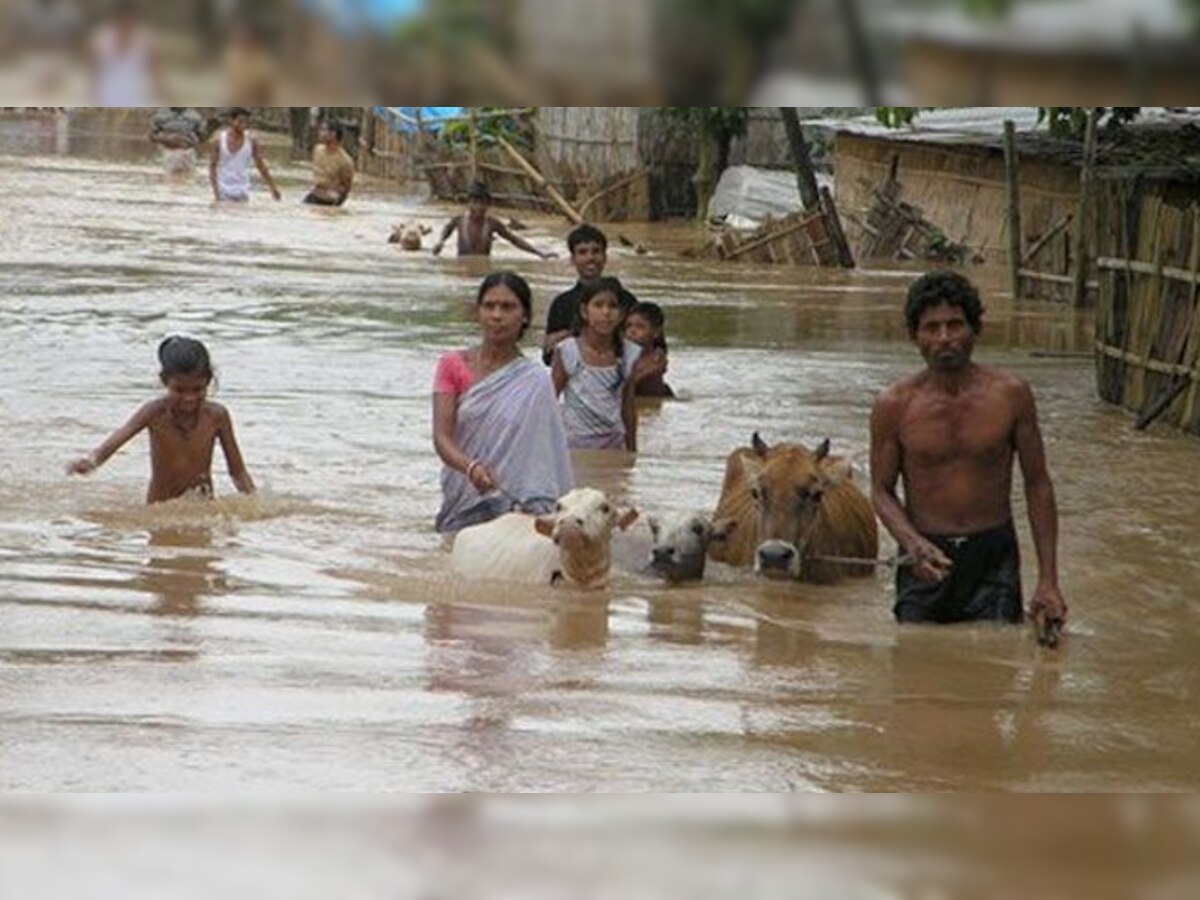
311, 637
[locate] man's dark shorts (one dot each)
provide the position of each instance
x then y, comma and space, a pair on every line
984, 583
317, 200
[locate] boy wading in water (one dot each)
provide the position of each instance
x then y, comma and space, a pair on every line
952, 432
183, 428
234, 150
476, 229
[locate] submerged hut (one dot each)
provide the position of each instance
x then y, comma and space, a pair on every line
611, 163
949, 165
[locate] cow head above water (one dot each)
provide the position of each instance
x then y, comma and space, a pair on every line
681, 544
788, 484
582, 525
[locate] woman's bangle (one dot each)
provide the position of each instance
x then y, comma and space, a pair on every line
471, 467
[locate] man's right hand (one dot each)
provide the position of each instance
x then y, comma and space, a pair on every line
928, 561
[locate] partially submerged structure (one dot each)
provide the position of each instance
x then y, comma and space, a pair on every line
1148, 265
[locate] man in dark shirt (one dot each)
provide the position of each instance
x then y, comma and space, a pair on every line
589, 254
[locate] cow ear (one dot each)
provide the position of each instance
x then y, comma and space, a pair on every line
837, 471
544, 525
760, 446
654, 526
752, 467
723, 529
626, 518
822, 451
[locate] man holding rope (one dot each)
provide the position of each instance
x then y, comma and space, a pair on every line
952, 432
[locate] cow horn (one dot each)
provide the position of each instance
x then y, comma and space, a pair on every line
822, 451
760, 446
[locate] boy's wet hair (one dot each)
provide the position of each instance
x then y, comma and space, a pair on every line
179, 355
942, 288
586, 234
234, 111
337, 128
479, 191
514, 283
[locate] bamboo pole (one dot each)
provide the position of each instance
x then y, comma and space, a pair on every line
473, 128
1046, 237
612, 188
540, 181
1083, 219
1013, 193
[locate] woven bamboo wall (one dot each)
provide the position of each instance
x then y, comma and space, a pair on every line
1147, 327
959, 188
584, 145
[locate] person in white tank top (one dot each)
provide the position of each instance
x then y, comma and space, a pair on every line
124, 65
232, 153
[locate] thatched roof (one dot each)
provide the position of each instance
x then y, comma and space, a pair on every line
1161, 139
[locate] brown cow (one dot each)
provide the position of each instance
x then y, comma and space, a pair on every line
793, 505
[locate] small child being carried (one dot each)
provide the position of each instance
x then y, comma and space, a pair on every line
597, 373
183, 428
644, 327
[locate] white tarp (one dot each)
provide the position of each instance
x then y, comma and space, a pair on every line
746, 195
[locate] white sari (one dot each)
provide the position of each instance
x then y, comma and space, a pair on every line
509, 422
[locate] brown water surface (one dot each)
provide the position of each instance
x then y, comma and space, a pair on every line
309, 637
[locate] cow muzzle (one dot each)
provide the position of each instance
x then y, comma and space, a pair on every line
777, 559
668, 563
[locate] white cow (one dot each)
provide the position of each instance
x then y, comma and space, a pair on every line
572, 545
681, 544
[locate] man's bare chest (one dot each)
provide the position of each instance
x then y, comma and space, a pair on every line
938, 431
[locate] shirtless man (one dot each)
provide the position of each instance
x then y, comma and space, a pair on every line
476, 230
952, 432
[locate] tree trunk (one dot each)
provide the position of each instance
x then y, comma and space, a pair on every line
801, 160
703, 179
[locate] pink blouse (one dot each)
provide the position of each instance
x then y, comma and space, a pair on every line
453, 375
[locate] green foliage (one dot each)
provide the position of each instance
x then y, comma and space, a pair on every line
718, 123
1062, 121
508, 127
1071, 121
897, 116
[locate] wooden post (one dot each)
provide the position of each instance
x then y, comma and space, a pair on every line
806, 181
538, 179
1012, 184
834, 224
1083, 218
473, 125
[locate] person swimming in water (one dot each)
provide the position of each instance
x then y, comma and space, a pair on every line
184, 426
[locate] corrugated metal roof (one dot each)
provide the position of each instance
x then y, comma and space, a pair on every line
979, 124
1050, 25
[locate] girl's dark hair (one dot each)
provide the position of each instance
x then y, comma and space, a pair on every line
652, 313
606, 285
180, 355
514, 283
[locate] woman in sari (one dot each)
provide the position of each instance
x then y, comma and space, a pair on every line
496, 424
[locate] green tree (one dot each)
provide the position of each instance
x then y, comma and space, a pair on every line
714, 128
1062, 121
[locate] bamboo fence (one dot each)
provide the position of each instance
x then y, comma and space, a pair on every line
1147, 327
